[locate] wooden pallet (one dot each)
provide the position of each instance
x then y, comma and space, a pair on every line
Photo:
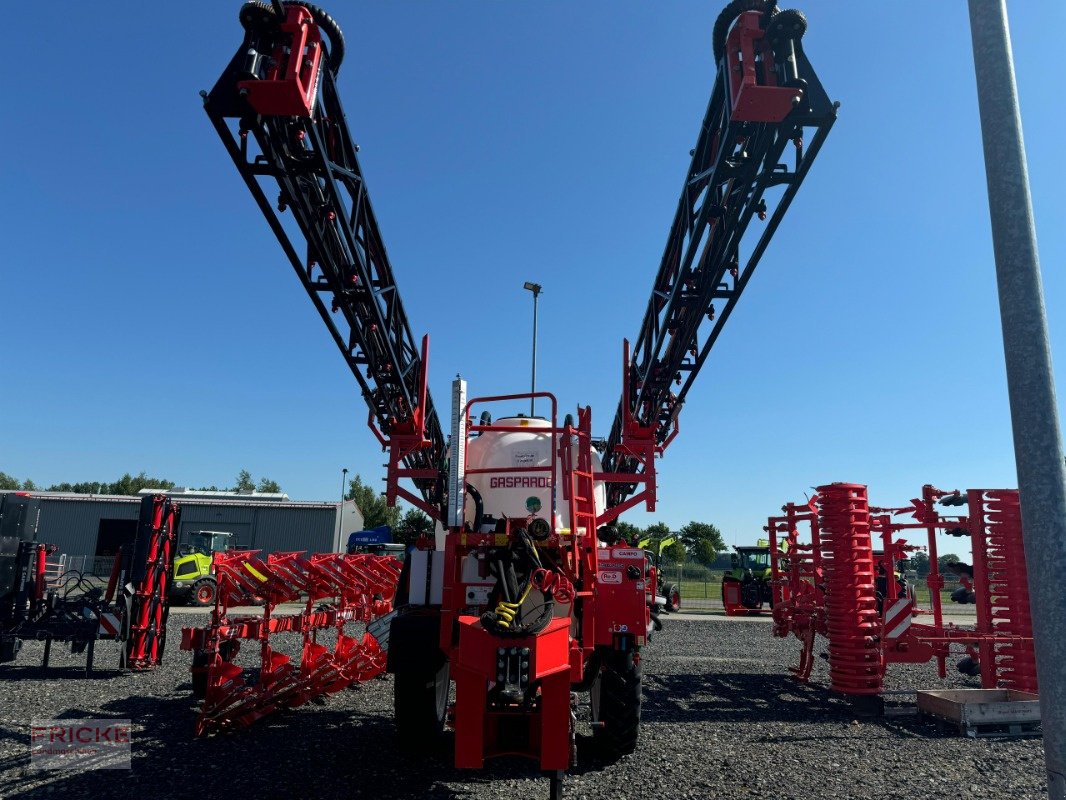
979, 713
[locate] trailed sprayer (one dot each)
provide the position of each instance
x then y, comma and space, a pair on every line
526, 596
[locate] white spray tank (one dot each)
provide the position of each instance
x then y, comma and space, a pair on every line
516, 494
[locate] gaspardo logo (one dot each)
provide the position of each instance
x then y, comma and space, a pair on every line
520, 482
80, 744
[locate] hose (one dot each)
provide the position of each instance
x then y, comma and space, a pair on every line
256, 13
332, 30
479, 507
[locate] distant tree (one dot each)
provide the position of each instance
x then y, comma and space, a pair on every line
657, 531
702, 541
919, 562
631, 533
412, 525
9, 481
85, 487
375, 510
29, 486
244, 482
948, 558
267, 485
655, 534
130, 484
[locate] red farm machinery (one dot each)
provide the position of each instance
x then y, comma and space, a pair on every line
835, 575
525, 596
41, 603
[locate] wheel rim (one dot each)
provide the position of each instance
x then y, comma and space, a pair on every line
675, 599
441, 686
204, 594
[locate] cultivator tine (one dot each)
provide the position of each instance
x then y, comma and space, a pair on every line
358, 588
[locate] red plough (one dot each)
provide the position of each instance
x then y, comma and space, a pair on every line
336, 589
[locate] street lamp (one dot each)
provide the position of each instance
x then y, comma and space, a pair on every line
340, 511
535, 288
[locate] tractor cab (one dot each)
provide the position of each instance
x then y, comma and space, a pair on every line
207, 542
194, 580
755, 560
663, 595
746, 587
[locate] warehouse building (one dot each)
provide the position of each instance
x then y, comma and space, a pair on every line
87, 526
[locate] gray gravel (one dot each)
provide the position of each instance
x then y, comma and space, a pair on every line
721, 719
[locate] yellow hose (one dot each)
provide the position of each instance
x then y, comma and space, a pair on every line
506, 612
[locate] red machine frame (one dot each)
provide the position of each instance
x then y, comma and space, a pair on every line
828, 585
611, 617
358, 588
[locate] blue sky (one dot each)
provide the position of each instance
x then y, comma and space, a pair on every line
151, 323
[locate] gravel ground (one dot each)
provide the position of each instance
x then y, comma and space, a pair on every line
721, 719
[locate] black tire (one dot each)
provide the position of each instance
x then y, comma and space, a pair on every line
616, 697
970, 667
203, 592
200, 661
672, 592
729, 14
421, 705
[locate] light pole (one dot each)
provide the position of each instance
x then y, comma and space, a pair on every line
1030, 384
340, 508
535, 288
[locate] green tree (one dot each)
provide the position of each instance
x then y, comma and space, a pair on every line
412, 525
29, 486
244, 482
267, 485
947, 558
631, 533
674, 552
375, 510
702, 541
919, 562
660, 530
9, 481
132, 484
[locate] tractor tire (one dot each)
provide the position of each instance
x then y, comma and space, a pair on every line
969, 667
672, 592
203, 592
421, 705
616, 697
200, 660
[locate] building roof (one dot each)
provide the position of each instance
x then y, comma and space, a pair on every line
223, 499
240, 494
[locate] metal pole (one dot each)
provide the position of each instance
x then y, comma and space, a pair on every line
533, 382
535, 288
1030, 383
340, 509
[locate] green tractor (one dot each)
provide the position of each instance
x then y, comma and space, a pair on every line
667, 595
746, 588
194, 580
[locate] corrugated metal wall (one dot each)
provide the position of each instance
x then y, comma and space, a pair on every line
271, 529
279, 529
73, 524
